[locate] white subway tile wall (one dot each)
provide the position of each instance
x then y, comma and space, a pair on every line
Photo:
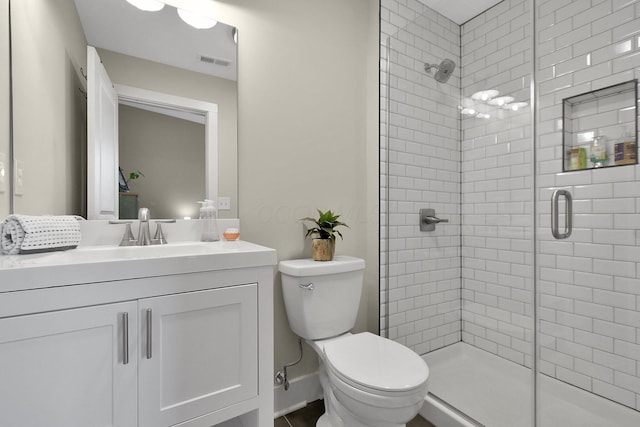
589, 284
420, 166
497, 185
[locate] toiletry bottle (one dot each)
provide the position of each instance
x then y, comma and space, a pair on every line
574, 159
625, 152
208, 215
599, 155
583, 158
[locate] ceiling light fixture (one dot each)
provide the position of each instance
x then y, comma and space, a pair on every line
485, 95
468, 112
195, 20
147, 5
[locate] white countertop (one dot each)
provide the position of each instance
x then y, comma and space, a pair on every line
90, 264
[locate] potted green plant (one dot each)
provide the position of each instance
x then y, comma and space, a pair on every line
124, 182
323, 246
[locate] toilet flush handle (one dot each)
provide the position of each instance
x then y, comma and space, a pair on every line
307, 287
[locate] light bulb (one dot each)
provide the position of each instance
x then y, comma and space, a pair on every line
147, 5
516, 106
195, 20
500, 101
485, 95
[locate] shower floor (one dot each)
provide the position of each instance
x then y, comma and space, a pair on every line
495, 392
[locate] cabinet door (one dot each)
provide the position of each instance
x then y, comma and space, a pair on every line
66, 368
202, 355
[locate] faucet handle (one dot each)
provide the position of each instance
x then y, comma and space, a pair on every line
158, 238
127, 237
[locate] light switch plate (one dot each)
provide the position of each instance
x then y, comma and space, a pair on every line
224, 203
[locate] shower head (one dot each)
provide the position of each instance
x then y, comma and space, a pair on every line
443, 71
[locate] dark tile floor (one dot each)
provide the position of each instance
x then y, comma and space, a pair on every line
307, 417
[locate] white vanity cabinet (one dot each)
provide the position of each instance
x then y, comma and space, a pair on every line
108, 343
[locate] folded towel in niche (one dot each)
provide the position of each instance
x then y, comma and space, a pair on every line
26, 234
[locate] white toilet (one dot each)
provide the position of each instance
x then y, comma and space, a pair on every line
367, 380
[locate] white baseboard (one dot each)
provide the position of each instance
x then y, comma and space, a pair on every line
302, 390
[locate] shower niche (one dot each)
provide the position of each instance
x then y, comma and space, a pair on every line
600, 128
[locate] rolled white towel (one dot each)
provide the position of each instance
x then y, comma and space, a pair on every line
26, 234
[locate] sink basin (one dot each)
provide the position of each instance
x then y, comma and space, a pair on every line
154, 251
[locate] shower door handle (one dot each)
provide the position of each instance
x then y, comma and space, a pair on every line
568, 215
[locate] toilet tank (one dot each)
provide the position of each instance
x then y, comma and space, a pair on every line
322, 297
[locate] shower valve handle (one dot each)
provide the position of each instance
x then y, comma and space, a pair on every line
428, 220
434, 220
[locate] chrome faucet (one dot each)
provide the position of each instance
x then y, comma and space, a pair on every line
144, 235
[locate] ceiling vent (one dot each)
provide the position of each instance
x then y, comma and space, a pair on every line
216, 61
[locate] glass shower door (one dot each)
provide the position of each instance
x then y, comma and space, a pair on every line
588, 204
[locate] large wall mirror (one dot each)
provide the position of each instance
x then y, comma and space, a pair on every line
154, 51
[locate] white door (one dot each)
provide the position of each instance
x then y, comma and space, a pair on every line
66, 368
102, 141
203, 353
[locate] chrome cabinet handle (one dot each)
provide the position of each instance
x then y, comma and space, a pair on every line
125, 338
149, 331
568, 216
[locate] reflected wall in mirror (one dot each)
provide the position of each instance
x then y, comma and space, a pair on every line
49, 45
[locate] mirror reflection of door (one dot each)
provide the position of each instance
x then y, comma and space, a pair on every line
102, 135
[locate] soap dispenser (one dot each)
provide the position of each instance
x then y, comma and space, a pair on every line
209, 218
599, 155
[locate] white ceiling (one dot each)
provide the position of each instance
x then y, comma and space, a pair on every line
162, 37
157, 36
460, 11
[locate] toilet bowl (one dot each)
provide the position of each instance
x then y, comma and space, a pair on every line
367, 380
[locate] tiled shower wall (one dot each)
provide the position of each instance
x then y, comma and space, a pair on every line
589, 284
497, 185
420, 165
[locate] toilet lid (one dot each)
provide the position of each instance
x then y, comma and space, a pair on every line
377, 363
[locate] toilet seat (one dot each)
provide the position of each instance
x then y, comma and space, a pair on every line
375, 365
